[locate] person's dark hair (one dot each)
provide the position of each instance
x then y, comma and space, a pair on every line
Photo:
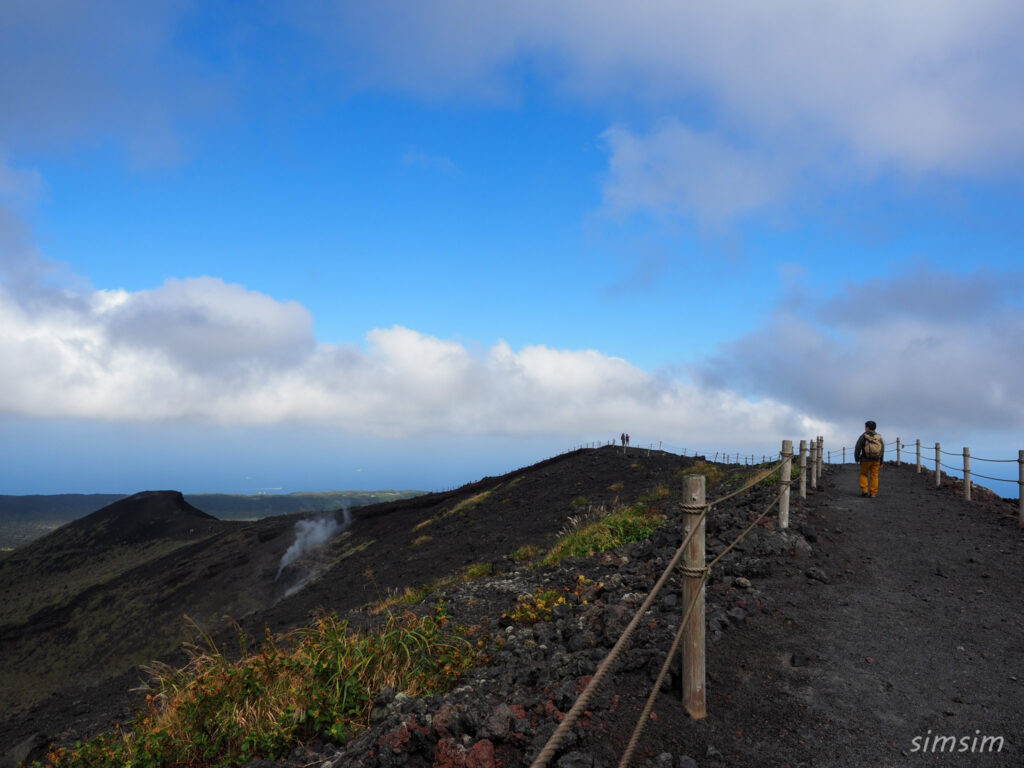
870, 425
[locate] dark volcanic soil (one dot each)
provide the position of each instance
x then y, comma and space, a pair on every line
868, 629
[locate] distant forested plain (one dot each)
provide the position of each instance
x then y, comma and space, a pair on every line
24, 518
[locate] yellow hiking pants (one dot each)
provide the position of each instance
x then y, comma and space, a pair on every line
869, 477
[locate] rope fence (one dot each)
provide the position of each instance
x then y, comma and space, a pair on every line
964, 470
689, 559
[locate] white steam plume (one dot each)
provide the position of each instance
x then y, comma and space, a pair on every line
311, 535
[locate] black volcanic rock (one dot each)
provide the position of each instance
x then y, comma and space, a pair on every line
145, 516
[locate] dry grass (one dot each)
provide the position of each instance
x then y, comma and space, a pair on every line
215, 713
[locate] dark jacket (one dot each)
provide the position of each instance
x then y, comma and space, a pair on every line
858, 451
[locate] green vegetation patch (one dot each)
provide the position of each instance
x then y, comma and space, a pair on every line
414, 595
473, 501
712, 472
526, 553
773, 478
619, 527
319, 680
658, 493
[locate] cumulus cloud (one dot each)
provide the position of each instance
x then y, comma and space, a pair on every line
206, 325
205, 350
778, 90
926, 348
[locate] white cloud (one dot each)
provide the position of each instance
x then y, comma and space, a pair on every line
206, 325
928, 350
842, 91
204, 350
674, 170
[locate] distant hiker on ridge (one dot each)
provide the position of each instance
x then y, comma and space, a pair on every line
627, 438
869, 452
622, 437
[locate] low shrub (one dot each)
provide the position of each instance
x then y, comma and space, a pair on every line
619, 527
712, 472
526, 553
320, 680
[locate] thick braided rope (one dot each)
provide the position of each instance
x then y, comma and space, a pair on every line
703, 573
642, 721
749, 528
581, 702
750, 484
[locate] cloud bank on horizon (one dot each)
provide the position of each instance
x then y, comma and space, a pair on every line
751, 139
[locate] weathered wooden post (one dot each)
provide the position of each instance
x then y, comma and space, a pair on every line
694, 676
844, 454
803, 469
785, 479
1020, 486
967, 473
938, 466
821, 455
814, 464
918, 445
897, 451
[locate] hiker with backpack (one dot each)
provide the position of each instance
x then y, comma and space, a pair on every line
869, 453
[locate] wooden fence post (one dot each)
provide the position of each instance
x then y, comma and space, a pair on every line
967, 473
938, 466
1020, 486
918, 444
844, 454
785, 479
694, 675
803, 469
821, 455
897, 451
814, 464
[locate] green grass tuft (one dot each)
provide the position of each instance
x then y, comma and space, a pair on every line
610, 531
321, 680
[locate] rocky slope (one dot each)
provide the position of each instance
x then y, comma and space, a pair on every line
815, 634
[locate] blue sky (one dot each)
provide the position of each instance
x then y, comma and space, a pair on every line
324, 245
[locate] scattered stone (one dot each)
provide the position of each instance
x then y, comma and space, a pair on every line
575, 760
741, 582
481, 755
737, 614
498, 725
817, 575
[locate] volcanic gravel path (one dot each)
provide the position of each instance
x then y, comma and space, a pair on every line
911, 652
